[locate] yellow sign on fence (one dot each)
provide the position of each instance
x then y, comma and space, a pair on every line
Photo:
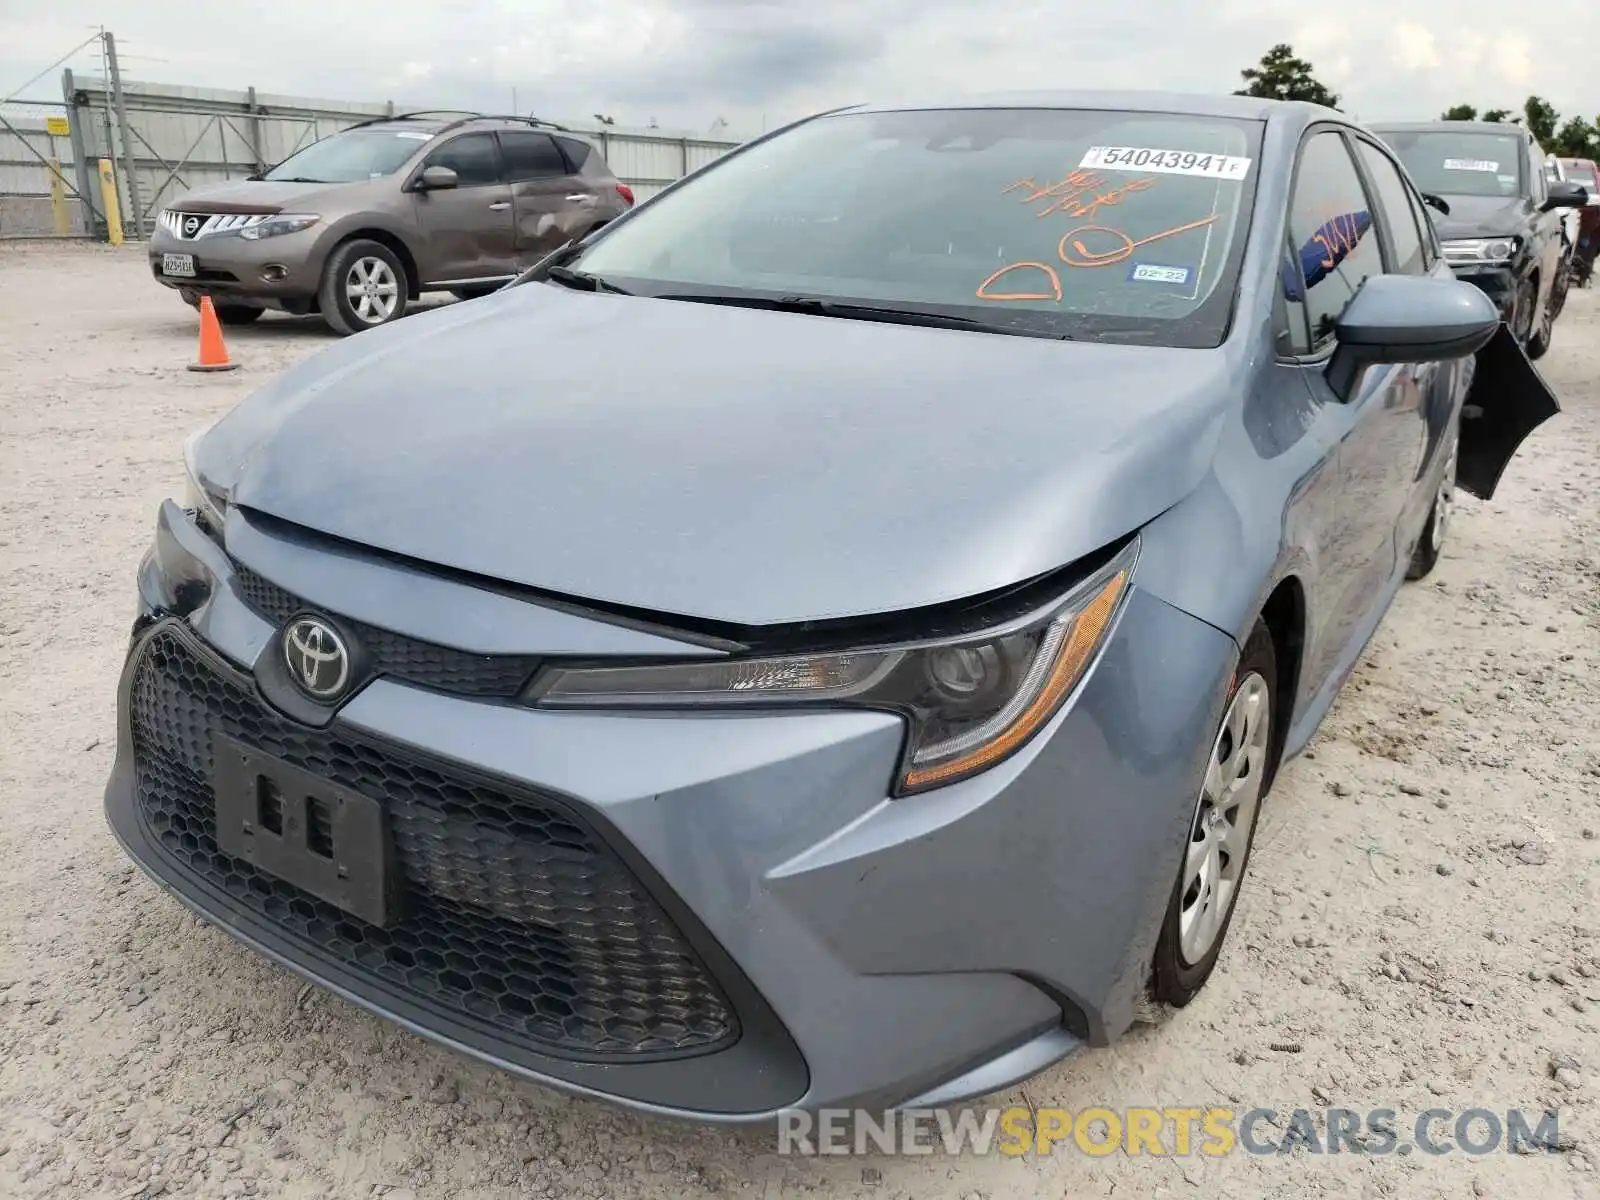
57, 127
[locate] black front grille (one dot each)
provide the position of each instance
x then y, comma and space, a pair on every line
516, 916
499, 676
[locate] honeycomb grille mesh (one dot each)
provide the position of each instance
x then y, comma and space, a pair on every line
440, 667
516, 917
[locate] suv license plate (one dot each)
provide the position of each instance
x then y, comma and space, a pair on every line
323, 838
180, 265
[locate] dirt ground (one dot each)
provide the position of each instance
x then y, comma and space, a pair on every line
1421, 928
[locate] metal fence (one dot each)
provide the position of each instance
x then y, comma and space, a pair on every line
164, 141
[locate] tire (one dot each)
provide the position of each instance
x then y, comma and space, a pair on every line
238, 314
1240, 769
356, 265
1431, 542
474, 293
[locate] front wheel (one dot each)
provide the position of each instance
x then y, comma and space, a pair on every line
364, 285
1237, 777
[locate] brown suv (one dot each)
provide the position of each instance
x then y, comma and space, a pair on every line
357, 224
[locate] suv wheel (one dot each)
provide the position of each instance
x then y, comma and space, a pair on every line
1543, 325
363, 286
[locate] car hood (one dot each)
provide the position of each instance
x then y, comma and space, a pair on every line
244, 196
1481, 216
737, 465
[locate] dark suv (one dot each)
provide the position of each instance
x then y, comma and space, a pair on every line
1495, 212
359, 223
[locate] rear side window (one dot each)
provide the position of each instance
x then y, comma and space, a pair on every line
1395, 205
577, 152
1330, 228
472, 156
531, 156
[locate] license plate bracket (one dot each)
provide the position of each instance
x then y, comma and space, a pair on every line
330, 841
179, 266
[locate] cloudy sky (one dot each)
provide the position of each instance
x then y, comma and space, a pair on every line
687, 62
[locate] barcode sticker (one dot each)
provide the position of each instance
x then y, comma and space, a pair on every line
1165, 162
1471, 164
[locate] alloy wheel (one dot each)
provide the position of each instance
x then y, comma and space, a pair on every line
372, 289
1224, 817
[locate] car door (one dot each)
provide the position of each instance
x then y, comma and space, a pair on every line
1546, 224
552, 205
467, 231
1431, 398
1334, 247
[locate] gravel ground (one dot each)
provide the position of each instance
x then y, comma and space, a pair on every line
1421, 928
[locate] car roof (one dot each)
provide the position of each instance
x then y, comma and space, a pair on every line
1500, 127
1177, 103
445, 120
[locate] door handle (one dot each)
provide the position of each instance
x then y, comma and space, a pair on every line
581, 196
499, 205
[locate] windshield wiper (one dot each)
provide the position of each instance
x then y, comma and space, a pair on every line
850, 310
300, 179
582, 280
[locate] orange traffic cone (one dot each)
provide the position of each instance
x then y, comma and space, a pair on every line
213, 354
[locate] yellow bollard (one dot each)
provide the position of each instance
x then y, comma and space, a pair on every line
58, 201
108, 196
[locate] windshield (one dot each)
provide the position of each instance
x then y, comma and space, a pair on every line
1460, 164
351, 157
1581, 174
1082, 224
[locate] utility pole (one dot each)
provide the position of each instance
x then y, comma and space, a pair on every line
135, 213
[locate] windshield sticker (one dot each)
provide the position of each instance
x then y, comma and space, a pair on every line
1471, 164
1166, 162
1159, 273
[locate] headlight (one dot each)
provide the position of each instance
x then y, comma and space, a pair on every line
970, 702
209, 504
278, 226
1481, 251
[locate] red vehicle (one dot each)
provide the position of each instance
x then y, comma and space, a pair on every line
1584, 171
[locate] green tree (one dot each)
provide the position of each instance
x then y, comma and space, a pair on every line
1460, 112
1282, 76
1576, 139
1541, 119
1497, 116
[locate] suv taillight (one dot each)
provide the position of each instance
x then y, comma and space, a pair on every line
626, 193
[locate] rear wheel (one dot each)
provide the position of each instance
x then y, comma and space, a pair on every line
1237, 776
238, 314
364, 285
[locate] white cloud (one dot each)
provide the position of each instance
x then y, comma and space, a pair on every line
1414, 47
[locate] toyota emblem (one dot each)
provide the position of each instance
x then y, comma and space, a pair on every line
318, 659
191, 225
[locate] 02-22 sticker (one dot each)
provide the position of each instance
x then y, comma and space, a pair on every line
1166, 162
1159, 273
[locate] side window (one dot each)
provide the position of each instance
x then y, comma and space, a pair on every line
577, 152
531, 156
1430, 238
1395, 204
1330, 229
472, 156
1540, 189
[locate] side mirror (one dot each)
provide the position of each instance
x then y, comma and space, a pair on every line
436, 179
1436, 202
1407, 319
1564, 194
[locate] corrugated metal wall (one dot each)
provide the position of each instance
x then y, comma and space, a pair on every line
25, 145
186, 138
